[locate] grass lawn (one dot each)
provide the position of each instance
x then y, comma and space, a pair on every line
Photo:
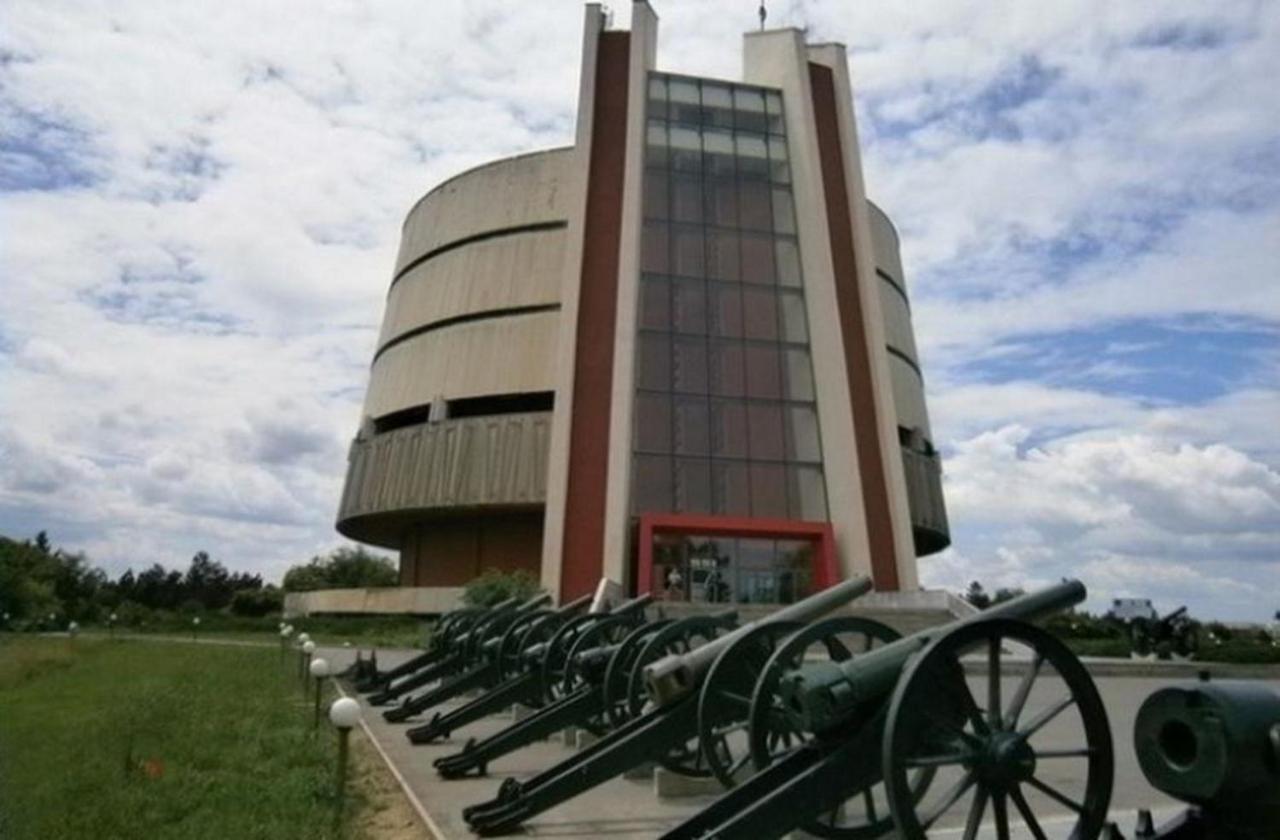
122, 739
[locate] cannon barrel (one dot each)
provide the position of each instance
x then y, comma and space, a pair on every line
1173, 616
1216, 745
491, 646
676, 675
821, 694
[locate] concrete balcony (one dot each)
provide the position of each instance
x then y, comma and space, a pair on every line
469, 465
924, 496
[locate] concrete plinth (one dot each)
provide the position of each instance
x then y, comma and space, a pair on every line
669, 785
585, 739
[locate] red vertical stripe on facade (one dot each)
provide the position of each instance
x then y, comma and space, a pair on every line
875, 485
582, 560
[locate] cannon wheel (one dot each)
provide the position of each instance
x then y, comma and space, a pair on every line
618, 672
935, 722
682, 636
724, 703
515, 659
608, 631
771, 733
513, 640
556, 658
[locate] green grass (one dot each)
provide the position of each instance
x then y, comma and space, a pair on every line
361, 631
136, 740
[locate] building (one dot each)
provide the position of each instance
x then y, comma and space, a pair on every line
678, 353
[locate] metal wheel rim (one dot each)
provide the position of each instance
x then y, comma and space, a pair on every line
619, 669
766, 745
714, 699
922, 675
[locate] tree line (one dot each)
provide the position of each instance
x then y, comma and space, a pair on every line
38, 580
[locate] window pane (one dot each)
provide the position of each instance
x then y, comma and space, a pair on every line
726, 310
729, 428
807, 492
686, 199
657, 91
763, 377
654, 362
731, 493
655, 194
686, 254
773, 106
692, 485
753, 156
722, 203
686, 148
788, 262
692, 426
718, 147
651, 487
689, 371
779, 167
653, 256
802, 434
689, 306
655, 303
656, 144
794, 322
728, 377
784, 217
757, 259
716, 96
799, 374
722, 255
749, 105
754, 211
759, 312
768, 493
653, 422
765, 423
682, 90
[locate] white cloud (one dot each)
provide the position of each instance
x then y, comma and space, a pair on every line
206, 202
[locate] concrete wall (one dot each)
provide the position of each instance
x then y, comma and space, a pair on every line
397, 601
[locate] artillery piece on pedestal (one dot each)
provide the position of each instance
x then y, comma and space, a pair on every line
531, 659
481, 663
893, 738
1173, 634
665, 730
368, 679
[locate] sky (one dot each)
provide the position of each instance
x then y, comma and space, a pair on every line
200, 204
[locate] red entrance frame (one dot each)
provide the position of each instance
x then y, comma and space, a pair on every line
826, 570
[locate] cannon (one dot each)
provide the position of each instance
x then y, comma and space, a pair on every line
661, 728
1175, 633
894, 739
596, 692
369, 679
1216, 746
530, 662
481, 664
461, 648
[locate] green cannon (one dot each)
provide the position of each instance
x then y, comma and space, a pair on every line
599, 688
531, 659
480, 665
369, 679
664, 731
1216, 746
982, 718
1169, 635
462, 648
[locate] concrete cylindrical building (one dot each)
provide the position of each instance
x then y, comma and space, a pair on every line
677, 353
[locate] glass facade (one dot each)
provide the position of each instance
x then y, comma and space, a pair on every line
725, 415
731, 569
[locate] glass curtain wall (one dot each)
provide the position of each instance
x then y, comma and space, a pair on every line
725, 415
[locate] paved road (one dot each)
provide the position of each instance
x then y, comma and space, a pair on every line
626, 808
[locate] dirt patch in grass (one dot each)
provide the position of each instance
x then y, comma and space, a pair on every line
387, 814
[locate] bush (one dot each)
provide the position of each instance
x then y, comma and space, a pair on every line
344, 568
495, 586
256, 603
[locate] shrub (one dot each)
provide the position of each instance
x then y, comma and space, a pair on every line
344, 568
494, 586
256, 603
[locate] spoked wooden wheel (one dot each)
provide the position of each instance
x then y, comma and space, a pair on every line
608, 631
724, 703
618, 673
1027, 745
555, 659
516, 637
771, 733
